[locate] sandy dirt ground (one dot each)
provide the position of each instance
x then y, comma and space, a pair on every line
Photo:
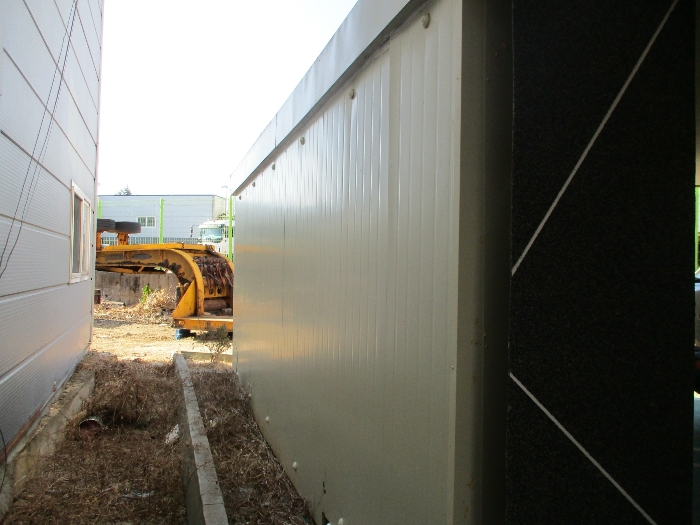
148, 342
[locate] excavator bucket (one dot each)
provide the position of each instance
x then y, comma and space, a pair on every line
205, 277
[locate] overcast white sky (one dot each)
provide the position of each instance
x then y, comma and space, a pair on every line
188, 86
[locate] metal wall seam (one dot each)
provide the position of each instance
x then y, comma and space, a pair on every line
45, 17
64, 8
81, 38
21, 121
33, 245
79, 47
96, 17
366, 29
32, 383
90, 33
42, 339
45, 210
20, 314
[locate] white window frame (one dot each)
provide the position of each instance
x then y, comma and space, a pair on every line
146, 217
85, 235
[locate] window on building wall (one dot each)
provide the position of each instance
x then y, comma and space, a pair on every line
81, 211
147, 222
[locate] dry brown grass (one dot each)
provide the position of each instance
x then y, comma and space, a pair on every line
127, 474
154, 310
256, 489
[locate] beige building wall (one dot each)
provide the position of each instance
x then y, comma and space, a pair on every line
346, 287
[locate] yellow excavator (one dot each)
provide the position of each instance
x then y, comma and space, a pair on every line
205, 277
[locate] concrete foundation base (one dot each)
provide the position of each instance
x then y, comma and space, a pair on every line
203, 498
40, 442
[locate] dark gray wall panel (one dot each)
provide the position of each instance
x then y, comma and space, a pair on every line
554, 495
601, 305
571, 59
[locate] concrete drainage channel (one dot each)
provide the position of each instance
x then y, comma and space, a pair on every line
41, 440
203, 498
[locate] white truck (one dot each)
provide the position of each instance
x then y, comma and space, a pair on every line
215, 233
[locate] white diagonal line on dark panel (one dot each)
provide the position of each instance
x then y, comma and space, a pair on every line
594, 138
583, 450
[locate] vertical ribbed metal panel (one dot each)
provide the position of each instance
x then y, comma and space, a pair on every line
182, 214
45, 322
346, 274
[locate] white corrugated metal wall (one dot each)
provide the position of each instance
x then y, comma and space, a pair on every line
346, 286
42, 338
182, 214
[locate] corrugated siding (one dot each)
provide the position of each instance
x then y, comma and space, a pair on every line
43, 13
95, 8
79, 46
87, 27
47, 208
26, 388
45, 322
21, 112
33, 320
27, 49
346, 271
181, 214
28, 269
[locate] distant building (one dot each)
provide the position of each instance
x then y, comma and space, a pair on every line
49, 103
181, 215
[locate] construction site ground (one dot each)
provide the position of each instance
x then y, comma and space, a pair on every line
129, 474
143, 331
124, 470
255, 487
134, 340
